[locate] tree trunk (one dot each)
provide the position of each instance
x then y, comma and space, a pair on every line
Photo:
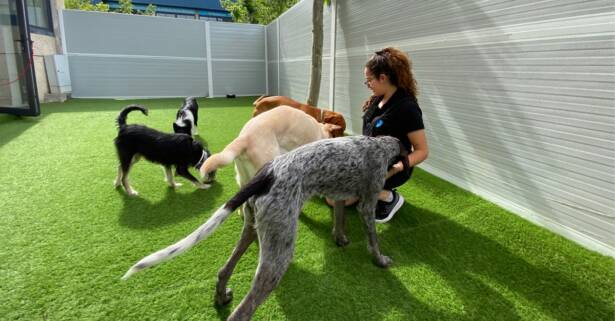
317, 39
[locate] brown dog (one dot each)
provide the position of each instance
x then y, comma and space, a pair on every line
263, 104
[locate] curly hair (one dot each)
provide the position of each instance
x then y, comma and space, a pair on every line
397, 66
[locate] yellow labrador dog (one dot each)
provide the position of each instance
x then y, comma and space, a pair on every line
262, 138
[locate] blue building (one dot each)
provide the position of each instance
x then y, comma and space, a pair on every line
189, 9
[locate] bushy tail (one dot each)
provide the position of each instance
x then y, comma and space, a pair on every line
121, 118
225, 157
260, 184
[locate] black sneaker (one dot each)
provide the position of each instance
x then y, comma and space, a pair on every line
386, 210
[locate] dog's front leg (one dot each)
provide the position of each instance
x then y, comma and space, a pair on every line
367, 210
169, 178
183, 172
339, 225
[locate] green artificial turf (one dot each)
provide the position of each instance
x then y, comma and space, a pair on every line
67, 236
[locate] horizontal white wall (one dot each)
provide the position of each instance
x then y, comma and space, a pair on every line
238, 59
119, 56
518, 97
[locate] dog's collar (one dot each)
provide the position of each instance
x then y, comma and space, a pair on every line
201, 161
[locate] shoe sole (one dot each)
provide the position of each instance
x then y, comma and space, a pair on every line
397, 206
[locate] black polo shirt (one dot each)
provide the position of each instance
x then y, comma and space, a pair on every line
397, 117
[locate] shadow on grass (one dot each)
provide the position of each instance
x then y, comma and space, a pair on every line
12, 126
224, 311
140, 213
476, 269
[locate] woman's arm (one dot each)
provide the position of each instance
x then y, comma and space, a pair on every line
419, 145
419, 154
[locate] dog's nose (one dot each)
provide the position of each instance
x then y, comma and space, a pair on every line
209, 177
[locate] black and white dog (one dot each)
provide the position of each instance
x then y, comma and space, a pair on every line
179, 150
187, 118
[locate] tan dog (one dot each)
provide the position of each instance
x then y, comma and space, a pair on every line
263, 104
262, 138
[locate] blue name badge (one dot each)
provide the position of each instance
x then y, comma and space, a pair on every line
379, 123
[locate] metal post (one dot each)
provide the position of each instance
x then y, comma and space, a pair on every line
266, 63
210, 77
277, 25
332, 55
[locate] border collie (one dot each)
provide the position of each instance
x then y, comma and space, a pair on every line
136, 141
187, 118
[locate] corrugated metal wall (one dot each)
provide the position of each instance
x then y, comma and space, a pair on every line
518, 97
116, 55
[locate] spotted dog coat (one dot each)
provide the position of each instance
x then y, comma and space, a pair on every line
339, 168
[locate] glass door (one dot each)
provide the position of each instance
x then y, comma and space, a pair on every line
17, 81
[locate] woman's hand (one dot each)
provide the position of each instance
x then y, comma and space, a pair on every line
397, 167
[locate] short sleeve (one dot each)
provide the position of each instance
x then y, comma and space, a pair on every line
411, 118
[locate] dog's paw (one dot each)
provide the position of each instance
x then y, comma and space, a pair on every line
132, 193
203, 186
341, 240
175, 185
224, 299
383, 261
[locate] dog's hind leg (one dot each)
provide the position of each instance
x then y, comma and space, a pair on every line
126, 162
339, 225
168, 173
277, 242
223, 294
367, 208
118, 179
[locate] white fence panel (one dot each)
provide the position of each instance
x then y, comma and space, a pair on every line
518, 97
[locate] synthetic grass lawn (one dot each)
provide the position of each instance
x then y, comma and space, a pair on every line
68, 236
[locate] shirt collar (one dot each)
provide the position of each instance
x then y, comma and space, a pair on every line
397, 95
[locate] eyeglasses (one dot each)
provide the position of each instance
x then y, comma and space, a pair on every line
367, 81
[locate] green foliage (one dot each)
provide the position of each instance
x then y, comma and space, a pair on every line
150, 10
86, 5
256, 11
237, 9
125, 6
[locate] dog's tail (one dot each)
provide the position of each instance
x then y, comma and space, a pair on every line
121, 118
260, 184
225, 157
259, 99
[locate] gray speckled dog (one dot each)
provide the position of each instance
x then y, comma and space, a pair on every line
339, 168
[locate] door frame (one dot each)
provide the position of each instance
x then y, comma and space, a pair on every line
28, 58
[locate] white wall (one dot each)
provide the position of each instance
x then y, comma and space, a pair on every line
115, 55
518, 97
